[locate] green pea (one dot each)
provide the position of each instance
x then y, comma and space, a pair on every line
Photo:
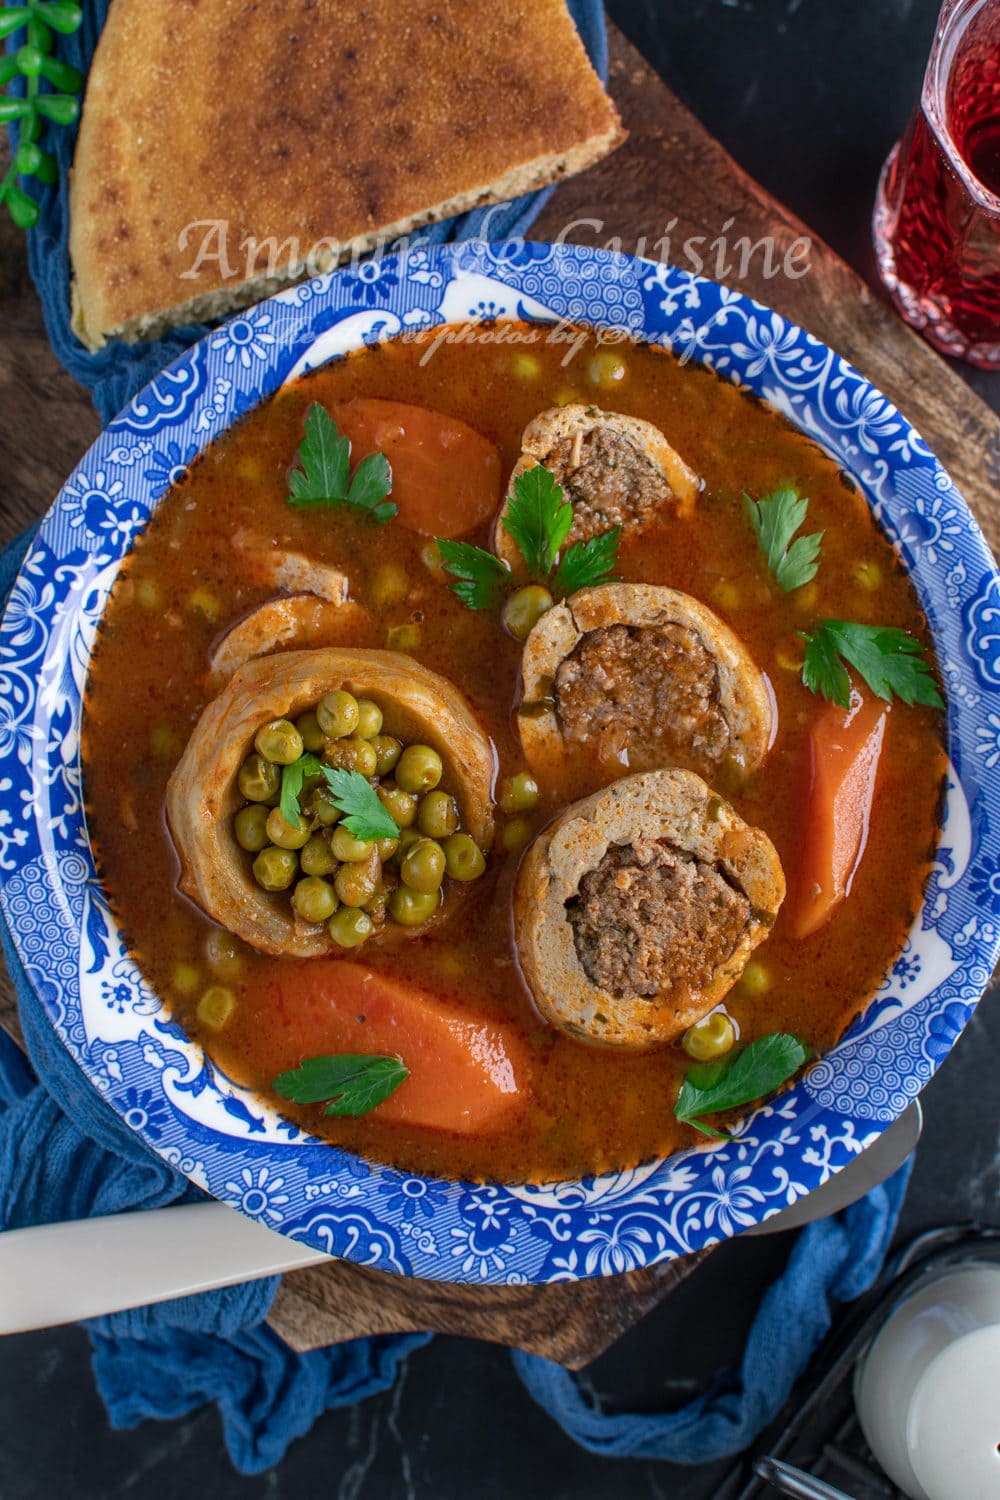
419, 769
249, 826
517, 832
376, 907
389, 585
353, 755
463, 858
401, 806
356, 884
148, 593
519, 793
337, 713
349, 927
313, 737
275, 869
710, 1038
438, 815
387, 751
606, 369
323, 809
422, 866
524, 609
346, 847
755, 979
369, 719
315, 900
407, 838
203, 603
164, 742
185, 978
259, 780
279, 742
412, 908
386, 848
216, 1006
286, 835
225, 954
403, 637
317, 858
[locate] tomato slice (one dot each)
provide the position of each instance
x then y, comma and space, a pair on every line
844, 751
445, 475
465, 1073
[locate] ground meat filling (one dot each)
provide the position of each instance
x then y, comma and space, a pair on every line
608, 480
644, 696
652, 919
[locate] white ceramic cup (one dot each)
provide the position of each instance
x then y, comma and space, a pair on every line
927, 1389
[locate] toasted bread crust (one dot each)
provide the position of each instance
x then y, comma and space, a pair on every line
673, 805
202, 794
312, 120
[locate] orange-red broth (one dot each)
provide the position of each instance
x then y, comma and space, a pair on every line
581, 1109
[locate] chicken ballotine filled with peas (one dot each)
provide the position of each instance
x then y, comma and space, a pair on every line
550, 758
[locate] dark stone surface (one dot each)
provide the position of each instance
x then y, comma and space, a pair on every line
808, 97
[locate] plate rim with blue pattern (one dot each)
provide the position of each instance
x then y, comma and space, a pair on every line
230, 1142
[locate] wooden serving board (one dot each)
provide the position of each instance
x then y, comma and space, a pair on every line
670, 169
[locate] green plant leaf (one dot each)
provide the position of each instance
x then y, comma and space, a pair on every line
61, 15
889, 660
292, 779
61, 109
370, 483
752, 1074
22, 209
586, 564
480, 578
323, 479
14, 109
775, 521
47, 170
13, 18
539, 519
354, 1083
28, 158
62, 75
365, 816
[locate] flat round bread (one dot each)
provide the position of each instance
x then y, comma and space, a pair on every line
226, 149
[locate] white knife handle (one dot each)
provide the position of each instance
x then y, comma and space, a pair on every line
60, 1273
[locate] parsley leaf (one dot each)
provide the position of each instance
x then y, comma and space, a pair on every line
480, 577
539, 520
292, 778
585, 564
354, 1083
748, 1076
889, 660
324, 480
365, 816
775, 521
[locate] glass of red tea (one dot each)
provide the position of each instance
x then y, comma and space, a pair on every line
937, 214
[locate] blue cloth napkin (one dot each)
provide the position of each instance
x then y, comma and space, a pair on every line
118, 371
65, 1154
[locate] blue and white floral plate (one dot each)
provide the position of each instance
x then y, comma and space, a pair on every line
222, 1136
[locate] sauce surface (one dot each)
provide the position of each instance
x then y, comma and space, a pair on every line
583, 1109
